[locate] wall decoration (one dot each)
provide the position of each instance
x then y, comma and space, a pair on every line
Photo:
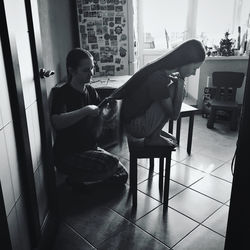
118, 29
119, 8
123, 37
118, 60
118, 20
94, 46
103, 31
111, 24
108, 70
106, 36
123, 52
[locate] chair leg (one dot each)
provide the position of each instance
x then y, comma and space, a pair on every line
211, 118
233, 122
133, 178
167, 179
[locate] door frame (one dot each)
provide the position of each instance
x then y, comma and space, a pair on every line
10, 57
32, 16
4, 228
38, 234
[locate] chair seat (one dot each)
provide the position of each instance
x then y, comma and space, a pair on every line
137, 147
224, 104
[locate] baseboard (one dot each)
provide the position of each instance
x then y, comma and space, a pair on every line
48, 234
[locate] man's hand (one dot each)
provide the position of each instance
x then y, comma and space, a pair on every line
93, 110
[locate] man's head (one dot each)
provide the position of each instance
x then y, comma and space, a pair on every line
80, 65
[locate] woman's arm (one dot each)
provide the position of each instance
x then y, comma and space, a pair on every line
67, 119
178, 98
172, 105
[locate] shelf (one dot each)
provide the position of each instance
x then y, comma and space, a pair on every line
213, 58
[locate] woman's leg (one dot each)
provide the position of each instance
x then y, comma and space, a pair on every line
149, 126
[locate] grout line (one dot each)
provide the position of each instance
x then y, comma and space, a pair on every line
78, 234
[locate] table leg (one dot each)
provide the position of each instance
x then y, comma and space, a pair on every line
190, 133
133, 178
178, 130
170, 126
161, 165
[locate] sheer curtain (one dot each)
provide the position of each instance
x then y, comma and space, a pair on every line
164, 22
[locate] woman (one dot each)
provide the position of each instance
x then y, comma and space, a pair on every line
155, 93
76, 119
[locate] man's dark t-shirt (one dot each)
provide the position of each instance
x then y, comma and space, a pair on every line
78, 137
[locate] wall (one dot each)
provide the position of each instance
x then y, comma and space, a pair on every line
59, 32
10, 170
235, 64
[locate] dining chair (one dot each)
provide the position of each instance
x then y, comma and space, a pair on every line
226, 85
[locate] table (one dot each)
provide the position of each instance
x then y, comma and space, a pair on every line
186, 111
107, 84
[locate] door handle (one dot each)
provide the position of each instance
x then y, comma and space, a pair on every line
46, 73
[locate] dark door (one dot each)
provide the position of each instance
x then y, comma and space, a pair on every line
21, 45
238, 229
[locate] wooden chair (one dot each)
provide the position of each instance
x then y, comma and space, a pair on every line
137, 150
226, 84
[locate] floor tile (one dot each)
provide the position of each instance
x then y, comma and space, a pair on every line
133, 238
67, 239
185, 175
224, 172
151, 187
124, 206
96, 224
201, 239
214, 187
203, 162
218, 221
105, 218
142, 173
220, 152
180, 154
146, 164
167, 226
194, 205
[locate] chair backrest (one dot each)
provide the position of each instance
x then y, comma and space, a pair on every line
226, 84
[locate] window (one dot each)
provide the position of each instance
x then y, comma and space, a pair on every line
168, 22
214, 18
164, 23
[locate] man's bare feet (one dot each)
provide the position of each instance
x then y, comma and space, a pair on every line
160, 141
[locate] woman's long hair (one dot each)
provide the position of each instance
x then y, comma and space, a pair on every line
190, 51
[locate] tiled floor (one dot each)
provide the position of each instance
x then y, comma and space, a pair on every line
199, 196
